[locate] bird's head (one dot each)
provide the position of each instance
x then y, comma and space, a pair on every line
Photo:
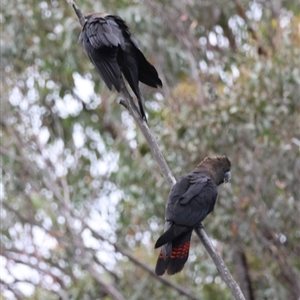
218, 168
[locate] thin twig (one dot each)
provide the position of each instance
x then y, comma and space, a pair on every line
78, 12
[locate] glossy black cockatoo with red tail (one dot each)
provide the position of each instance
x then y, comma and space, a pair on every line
191, 199
113, 51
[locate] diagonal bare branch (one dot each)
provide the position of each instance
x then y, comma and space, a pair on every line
119, 249
127, 102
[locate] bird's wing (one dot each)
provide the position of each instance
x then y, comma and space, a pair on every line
147, 73
197, 183
191, 199
101, 38
176, 192
196, 202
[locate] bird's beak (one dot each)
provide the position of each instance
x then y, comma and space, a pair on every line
227, 177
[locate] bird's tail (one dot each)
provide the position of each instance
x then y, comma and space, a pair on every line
141, 106
147, 73
174, 255
132, 79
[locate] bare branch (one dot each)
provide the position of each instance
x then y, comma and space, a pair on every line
110, 289
119, 249
128, 103
148, 135
220, 264
242, 270
78, 12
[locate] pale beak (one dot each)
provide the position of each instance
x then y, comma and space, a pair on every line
227, 177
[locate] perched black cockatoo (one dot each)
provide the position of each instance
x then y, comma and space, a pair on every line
191, 199
112, 49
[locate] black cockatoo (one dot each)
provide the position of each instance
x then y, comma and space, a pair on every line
112, 49
191, 199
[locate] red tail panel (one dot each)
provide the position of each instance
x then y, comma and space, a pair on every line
176, 258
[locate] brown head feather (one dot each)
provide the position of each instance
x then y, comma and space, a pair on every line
216, 167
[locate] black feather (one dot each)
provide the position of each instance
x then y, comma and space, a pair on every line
111, 48
191, 199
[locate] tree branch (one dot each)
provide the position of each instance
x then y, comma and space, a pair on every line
119, 249
220, 264
242, 270
128, 103
108, 288
78, 12
148, 135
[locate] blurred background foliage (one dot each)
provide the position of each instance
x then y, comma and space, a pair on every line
82, 199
